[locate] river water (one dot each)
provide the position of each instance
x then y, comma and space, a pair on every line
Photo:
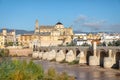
81, 72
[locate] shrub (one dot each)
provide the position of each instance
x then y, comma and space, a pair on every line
74, 62
70, 44
63, 61
4, 52
20, 70
63, 76
52, 60
52, 75
29, 55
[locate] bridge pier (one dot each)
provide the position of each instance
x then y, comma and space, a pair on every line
98, 56
117, 59
51, 55
45, 54
70, 56
60, 56
108, 61
35, 54
114, 56
40, 55
93, 60
82, 59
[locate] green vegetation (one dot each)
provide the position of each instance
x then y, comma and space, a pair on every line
63, 61
70, 63
74, 62
53, 60
52, 75
114, 43
8, 44
22, 70
4, 52
102, 44
11, 44
71, 44
85, 44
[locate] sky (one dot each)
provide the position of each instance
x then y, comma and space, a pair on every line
81, 15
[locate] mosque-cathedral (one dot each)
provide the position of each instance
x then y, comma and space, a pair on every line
47, 36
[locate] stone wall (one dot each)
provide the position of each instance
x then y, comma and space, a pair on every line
20, 52
50, 43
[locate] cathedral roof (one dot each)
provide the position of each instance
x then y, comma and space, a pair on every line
59, 23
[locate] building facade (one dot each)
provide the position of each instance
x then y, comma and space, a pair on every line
47, 36
83, 38
7, 37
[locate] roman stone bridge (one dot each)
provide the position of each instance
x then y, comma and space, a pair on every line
104, 56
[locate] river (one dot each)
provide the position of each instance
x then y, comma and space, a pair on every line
81, 72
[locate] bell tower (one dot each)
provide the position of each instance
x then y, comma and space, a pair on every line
36, 27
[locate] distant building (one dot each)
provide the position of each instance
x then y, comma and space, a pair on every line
109, 38
47, 36
6, 37
83, 38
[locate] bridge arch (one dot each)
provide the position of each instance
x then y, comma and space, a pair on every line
103, 53
88, 54
117, 59
57, 50
66, 51
77, 52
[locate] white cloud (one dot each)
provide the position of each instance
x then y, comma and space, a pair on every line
91, 23
88, 22
80, 18
94, 25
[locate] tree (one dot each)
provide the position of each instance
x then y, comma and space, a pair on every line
114, 43
4, 52
104, 44
117, 43
8, 44
22, 70
110, 44
71, 44
85, 44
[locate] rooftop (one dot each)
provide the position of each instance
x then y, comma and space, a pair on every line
59, 23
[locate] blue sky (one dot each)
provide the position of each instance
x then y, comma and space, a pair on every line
82, 15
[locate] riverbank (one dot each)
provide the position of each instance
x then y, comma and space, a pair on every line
21, 69
81, 72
